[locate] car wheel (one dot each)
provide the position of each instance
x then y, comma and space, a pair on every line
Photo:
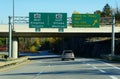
73, 59
63, 59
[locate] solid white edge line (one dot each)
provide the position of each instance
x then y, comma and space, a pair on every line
113, 77
110, 65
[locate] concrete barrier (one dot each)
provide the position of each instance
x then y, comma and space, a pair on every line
15, 61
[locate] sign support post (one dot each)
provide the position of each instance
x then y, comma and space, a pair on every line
60, 29
10, 38
37, 29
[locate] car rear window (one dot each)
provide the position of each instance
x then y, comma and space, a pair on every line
67, 51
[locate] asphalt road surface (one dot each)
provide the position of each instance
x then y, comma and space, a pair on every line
54, 68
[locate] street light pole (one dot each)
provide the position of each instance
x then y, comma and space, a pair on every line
13, 15
11, 28
113, 35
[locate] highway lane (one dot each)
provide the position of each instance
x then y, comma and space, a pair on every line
54, 68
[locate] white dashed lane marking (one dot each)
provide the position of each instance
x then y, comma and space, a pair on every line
102, 71
113, 77
112, 66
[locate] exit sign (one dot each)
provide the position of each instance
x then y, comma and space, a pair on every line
85, 20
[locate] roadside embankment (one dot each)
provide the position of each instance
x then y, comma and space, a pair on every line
111, 57
11, 63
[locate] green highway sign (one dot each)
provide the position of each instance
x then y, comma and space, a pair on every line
37, 20
48, 20
85, 20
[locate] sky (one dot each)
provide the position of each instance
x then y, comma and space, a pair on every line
23, 7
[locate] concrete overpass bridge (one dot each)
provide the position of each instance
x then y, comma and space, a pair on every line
23, 30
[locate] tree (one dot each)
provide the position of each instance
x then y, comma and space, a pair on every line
37, 42
107, 11
117, 15
2, 41
75, 12
35, 46
98, 12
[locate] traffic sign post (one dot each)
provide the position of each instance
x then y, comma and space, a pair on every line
85, 20
37, 29
61, 30
48, 20
10, 38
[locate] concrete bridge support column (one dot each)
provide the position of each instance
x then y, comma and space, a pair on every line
15, 48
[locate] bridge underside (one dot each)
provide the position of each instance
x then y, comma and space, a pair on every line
57, 34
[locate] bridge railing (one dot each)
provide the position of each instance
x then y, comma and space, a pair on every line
25, 20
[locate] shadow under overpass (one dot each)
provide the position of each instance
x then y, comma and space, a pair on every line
58, 34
